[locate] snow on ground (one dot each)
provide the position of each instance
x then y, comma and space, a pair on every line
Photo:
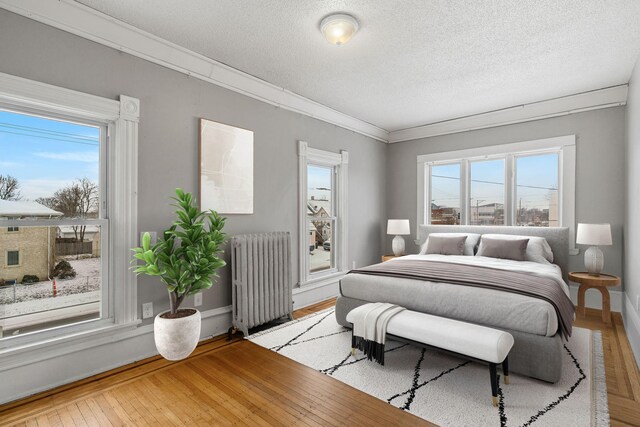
320, 259
47, 304
86, 280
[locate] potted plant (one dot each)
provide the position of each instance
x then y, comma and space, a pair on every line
186, 260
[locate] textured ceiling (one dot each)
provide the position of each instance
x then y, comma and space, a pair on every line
413, 62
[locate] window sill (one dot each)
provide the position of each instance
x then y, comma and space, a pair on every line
321, 281
29, 353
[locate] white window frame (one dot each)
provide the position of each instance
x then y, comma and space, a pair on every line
340, 163
565, 146
119, 151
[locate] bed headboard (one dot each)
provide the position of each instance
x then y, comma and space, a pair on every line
558, 237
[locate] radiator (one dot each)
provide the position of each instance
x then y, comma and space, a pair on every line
261, 288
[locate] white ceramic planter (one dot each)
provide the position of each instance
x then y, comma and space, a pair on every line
177, 338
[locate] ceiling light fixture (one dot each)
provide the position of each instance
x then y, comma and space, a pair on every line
339, 28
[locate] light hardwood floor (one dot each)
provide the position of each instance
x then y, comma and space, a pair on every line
239, 383
623, 377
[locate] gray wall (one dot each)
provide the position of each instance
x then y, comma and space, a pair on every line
599, 169
632, 217
171, 104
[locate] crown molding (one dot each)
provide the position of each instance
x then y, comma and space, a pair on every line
90, 24
602, 98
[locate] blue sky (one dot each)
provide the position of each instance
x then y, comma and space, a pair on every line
46, 155
319, 179
536, 176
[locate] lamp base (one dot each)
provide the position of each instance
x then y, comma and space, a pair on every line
594, 260
397, 245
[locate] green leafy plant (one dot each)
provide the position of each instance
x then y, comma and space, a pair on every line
186, 256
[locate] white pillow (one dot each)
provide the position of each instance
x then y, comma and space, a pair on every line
469, 245
538, 249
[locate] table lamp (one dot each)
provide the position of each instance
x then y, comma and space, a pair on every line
399, 227
594, 235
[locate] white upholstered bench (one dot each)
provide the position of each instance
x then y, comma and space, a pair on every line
466, 339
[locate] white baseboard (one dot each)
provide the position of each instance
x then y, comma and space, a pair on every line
593, 298
631, 320
309, 295
62, 369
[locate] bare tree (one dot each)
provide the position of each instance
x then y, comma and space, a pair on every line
49, 202
78, 200
9, 188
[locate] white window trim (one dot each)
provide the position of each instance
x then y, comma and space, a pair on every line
341, 162
564, 145
121, 118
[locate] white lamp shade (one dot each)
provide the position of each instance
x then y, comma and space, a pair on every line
398, 227
594, 234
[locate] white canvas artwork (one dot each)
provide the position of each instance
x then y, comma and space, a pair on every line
226, 168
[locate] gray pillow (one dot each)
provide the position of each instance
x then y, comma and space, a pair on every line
470, 245
446, 245
538, 249
515, 249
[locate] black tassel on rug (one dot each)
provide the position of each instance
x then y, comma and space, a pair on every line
373, 350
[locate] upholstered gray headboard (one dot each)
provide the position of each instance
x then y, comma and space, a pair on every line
558, 237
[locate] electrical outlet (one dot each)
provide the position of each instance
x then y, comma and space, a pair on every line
152, 234
353, 265
197, 299
147, 310
638, 303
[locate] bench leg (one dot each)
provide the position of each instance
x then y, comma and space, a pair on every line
353, 343
505, 370
494, 383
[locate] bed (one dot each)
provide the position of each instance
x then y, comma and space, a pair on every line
534, 323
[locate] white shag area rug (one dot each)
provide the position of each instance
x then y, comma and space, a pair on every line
448, 390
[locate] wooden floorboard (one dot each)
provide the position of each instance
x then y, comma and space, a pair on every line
239, 383
623, 377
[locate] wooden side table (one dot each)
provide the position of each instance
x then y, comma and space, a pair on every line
388, 257
595, 282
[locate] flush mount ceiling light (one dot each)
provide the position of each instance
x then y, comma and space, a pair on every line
338, 28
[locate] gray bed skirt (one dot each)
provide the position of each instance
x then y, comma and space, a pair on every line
532, 355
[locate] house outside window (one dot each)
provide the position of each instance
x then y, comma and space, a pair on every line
13, 229
323, 222
530, 183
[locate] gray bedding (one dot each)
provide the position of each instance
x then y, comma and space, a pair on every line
457, 274
476, 305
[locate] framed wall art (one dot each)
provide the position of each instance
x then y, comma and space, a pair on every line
226, 168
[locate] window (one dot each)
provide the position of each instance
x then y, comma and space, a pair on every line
445, 194
323, 178
69, 284
13, 258
322, 221
525, 184
53, 170
537, 190
487, 192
